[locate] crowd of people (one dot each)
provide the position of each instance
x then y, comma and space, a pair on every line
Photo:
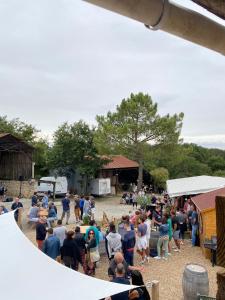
84, 206
121, 239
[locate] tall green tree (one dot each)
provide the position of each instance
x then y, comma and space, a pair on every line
26, 132
74, 150
40, 158
160, 176
134, 124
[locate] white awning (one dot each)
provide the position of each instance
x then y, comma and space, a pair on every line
194, 185
27, 273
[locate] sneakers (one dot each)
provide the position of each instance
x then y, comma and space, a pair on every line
157, 257
165, 258
169, 253
147, 258
176, 250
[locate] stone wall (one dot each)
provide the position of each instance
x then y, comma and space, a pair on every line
13, 188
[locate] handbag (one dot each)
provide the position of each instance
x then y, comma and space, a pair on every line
94, 255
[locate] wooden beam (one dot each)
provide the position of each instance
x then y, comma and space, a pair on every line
220, 229
221, 284
220, 253
54, 185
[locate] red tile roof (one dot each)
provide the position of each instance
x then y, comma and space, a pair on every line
120, 162
207, 200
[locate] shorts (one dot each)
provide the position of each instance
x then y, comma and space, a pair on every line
176, 235
77, 212
142, 243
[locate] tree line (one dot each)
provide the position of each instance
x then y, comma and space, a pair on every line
134, 129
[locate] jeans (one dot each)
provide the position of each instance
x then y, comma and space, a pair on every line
193, 234
129, 257
163, 241
50, 220
67, 213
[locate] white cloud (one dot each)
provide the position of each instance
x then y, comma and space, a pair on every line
68, 60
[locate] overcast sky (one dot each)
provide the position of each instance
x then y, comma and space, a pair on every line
65, 60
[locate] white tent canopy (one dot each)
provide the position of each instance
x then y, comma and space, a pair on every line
27, 273
194, 185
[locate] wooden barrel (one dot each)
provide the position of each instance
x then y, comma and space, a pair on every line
195, 280
153, 239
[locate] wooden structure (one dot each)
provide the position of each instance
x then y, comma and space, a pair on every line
155, 290
220, 222
205, 204
121, 171
15, 158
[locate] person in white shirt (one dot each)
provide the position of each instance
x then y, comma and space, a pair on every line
148, 233
60, 232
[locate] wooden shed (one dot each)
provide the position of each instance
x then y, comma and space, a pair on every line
121, 170
205, 204
15, 158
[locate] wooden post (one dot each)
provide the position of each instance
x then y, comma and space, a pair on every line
54, 184
220, 253
221, 284
155, 290
220, 229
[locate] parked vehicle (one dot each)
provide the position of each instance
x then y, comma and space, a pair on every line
61, 186
100, 186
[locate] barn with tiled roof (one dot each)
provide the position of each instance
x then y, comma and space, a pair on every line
122, 171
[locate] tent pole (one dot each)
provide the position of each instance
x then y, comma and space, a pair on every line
172, 18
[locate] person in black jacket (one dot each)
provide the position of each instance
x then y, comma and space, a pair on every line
70, 251
80, 241
141, 291
41, 232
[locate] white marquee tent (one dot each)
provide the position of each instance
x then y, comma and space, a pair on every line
27, 273
194, 185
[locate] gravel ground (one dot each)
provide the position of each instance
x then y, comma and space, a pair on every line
169, 273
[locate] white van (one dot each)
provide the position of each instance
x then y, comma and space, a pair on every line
61, 186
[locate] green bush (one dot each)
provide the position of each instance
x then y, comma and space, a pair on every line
86, 220
143, 201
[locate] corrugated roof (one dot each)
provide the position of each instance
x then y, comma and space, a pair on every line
207, 200
120, 162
